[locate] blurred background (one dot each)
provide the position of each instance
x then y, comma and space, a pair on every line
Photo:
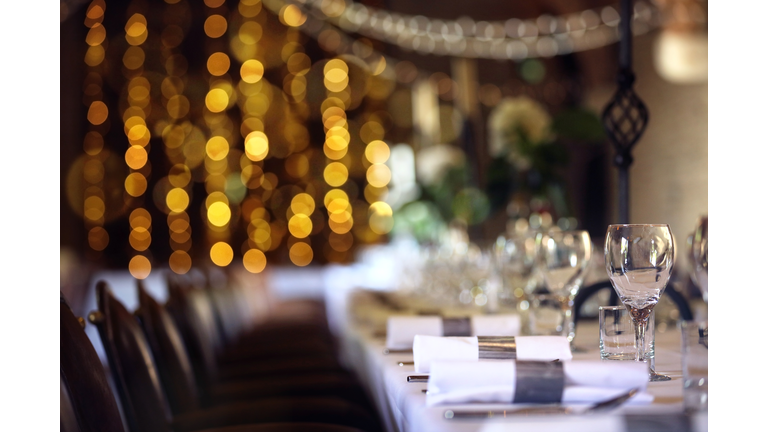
255, 133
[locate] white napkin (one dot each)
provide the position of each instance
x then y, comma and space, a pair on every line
402, 329
427, 349
492, 381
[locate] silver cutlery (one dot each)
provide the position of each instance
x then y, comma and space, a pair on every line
539, 410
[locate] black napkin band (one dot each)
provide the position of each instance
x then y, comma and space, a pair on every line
457, 327
539, 382
497, 347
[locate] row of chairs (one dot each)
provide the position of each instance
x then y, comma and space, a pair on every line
204, 361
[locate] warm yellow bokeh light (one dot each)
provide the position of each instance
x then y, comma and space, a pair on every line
214, 197
335, 64
177, 106
96, 35
292, 16
216, 100
140, 267
380, 208
378, 175
300, 226
136, 157
178, 225
93, 208
140, 239
98, 238
136, 25
218, 64
140, 218
249, 32
219, 214
300, 254
251, 71
133, 58
377, 152
334, 154
338, 206
180, 262
135, 184
177, 200
98, 113
337, 142
335, 174
254, 261
256, 146
222, 254
215, 26
139, 135
179, 175
340, 227
303, 203
217, 148
335, 194
213, 4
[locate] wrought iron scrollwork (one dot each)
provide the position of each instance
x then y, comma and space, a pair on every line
626, 116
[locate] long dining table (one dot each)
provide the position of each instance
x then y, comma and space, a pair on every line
402, 404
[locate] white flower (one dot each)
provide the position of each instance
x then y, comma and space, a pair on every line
432, 162
511, 117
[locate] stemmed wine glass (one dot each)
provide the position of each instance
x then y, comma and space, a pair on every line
639, 260
563, 260
699, 250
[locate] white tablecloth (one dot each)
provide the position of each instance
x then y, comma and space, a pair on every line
403, 404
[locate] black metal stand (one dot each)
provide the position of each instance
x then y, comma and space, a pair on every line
625, 117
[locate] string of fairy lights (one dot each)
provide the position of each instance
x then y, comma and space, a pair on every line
245, 139
94, 206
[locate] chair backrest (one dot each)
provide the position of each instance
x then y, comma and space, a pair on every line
87, 401
133, 368
169, 352
187, 307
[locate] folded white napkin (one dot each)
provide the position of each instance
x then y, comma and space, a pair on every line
402, 329
427, 349
489, 381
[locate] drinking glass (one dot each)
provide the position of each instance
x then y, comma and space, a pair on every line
514, 260
639, 260
699, 251
563, 259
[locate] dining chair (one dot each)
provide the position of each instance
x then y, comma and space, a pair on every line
212, 364
179, 381
89, 405
87, 401
144, 400
588, 292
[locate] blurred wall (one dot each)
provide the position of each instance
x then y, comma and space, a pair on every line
668, 180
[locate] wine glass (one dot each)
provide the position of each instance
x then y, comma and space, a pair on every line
563, 260
639, 260
514, 261
699, 251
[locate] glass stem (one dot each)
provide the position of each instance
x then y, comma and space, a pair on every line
566, 308
640, 327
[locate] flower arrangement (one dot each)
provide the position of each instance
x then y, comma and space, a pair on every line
528, 150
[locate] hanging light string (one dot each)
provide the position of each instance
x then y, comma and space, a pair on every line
513, 39
137, 93
94, 206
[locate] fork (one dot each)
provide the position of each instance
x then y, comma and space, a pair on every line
603, 406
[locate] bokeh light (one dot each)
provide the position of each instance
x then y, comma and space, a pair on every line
221, 254
177, 200
219, 214
139, 267
254, 261
300, 254
300, 226
180, 262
